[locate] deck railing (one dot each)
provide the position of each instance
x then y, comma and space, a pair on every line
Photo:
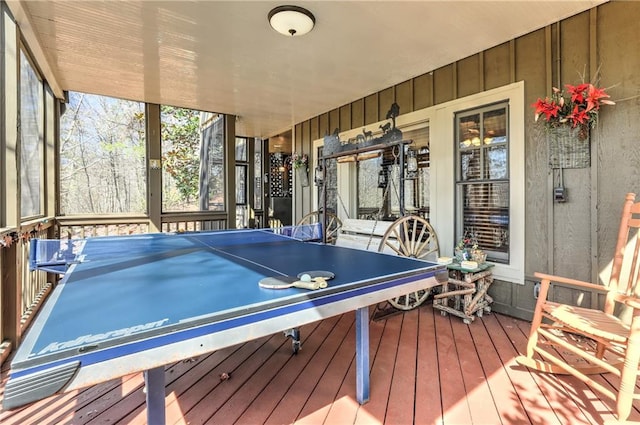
193, 222
35, 284
24, 289
80, 227
89, 226
7, 236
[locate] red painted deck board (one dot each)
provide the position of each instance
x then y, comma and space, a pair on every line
428, 400
455, 409
482, 406
425, 369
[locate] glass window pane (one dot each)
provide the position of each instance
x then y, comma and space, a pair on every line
470, 164
212, 168
192, 160
102, 156
369, 195
469, 131
241, 149
31, 139
495, 162
241, 186
486, 216
495, 126
417, 189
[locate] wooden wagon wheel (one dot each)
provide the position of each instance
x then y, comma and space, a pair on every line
301, 231
411, 236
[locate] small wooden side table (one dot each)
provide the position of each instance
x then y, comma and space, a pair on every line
465, 294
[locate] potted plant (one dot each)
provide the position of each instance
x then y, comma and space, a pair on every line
467, 249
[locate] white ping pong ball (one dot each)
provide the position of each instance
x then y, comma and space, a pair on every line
305, 278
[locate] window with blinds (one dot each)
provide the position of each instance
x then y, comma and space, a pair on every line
482, 179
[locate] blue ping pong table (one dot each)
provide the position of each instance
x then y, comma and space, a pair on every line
137, 303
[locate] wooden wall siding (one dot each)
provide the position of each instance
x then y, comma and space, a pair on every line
357, 113
423, 91
315, 128
574, 50
572, 220
443, 84
385, 100
576, 238
324, 124
469, 75
345, 116
334, 120
530, 67
404, 96
618, 144
370, 109
497, 66
514, 300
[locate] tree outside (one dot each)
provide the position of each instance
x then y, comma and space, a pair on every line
102, 156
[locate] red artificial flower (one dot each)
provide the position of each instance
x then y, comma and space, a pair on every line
577, 92
546, 107
595, 97
578, 116
576, 106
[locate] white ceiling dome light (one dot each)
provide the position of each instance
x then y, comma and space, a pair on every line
291, 20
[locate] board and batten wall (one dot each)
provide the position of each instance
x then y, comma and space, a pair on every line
575, 238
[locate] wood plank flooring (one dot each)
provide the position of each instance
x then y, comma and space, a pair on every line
425, 369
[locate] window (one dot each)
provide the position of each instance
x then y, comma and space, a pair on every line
189, 183
416, 182
379, 179
482, 179
31, 140
241, 171
370, 190
242, 209
102, 156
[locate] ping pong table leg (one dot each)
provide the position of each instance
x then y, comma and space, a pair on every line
154, 380
362, 355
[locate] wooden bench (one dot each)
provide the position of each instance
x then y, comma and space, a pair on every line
363, 234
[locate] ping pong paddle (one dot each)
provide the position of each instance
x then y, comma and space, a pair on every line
282, 282
326, 275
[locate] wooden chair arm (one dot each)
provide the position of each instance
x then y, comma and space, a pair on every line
632, 302
568, 281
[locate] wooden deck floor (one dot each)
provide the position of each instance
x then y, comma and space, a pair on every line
426, 369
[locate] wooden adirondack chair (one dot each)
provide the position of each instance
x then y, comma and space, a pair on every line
601, 341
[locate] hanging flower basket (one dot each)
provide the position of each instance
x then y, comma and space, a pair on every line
302, 176
568, 148
568, 117
300, 165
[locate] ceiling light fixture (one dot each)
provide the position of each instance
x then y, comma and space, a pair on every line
291, 20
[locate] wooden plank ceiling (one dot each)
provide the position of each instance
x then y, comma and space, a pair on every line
222, 56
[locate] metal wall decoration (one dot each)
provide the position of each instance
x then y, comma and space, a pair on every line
390, 134
280, 176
